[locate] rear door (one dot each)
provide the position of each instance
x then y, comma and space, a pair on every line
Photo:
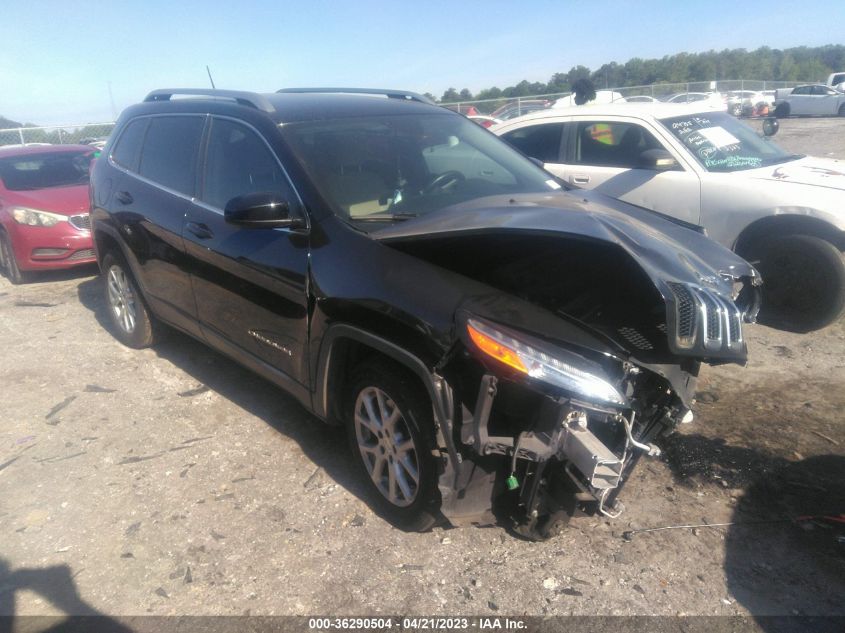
542, 141
801, 101
150, 201
250, 284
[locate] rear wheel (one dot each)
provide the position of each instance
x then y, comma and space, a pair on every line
131, 321
390, 431
9, 263
803, 282
782, 110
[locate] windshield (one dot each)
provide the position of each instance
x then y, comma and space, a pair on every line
42, 171
393, 167
722, 144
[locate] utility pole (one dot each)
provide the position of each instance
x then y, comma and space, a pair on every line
111, 101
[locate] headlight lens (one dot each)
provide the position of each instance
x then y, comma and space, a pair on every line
34, 217
537, 364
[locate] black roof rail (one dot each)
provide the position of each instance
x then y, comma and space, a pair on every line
250, 99
391, 94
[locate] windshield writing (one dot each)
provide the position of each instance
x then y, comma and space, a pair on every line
722, 144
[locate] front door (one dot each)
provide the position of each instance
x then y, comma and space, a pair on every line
250, 284
605, 155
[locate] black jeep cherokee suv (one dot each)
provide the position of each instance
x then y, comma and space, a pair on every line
494, 345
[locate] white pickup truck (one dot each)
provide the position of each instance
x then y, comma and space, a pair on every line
836, 81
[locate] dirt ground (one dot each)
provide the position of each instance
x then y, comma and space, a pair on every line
173, 481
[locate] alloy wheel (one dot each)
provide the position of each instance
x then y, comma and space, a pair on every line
387, 446
122, 299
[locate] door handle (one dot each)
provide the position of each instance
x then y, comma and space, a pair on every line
579, 179
199, 230
124, 197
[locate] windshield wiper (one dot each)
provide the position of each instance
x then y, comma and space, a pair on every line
782, 159
384, 217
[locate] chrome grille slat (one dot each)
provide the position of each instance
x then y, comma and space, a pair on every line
706, 319
685, 313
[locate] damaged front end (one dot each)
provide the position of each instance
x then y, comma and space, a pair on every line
584, 352
550, 432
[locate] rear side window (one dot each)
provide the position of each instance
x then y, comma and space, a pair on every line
239, 162
170, 152
538, 141
127, 152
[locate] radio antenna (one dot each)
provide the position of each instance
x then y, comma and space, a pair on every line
209, 77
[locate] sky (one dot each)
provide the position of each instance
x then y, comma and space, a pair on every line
83, 62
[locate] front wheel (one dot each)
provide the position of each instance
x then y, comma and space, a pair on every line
390, 431
803, 282
9, 263
131, 321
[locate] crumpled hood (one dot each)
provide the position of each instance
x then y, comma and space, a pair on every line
819, 172
666, 251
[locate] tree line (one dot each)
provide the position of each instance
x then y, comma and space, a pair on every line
802, 63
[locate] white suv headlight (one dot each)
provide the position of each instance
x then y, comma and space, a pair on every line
554, 370
34, 217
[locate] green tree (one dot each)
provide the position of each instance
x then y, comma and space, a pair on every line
450, 96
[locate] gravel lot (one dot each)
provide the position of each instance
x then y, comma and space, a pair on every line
172, 481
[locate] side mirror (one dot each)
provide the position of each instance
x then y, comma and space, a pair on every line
537, 162
658, 159
261, 210
770, 126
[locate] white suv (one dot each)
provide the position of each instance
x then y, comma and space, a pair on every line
785, 213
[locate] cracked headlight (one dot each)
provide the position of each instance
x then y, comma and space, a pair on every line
561, 369
34, 217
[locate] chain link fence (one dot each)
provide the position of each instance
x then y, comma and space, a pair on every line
88, 134
510, 107
502, 108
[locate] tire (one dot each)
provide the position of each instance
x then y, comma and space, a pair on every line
803, 282
10, 264
736, 110
382, 390
782, 110
770, 126
131, 321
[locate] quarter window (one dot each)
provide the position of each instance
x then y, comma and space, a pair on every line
239, 162
612, 144
538, 141
128, 149
170, 152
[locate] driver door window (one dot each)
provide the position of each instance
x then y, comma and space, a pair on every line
612, 144
239, 162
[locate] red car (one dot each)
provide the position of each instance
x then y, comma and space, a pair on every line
44, 223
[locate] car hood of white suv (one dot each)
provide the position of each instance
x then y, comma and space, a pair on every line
820, 172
